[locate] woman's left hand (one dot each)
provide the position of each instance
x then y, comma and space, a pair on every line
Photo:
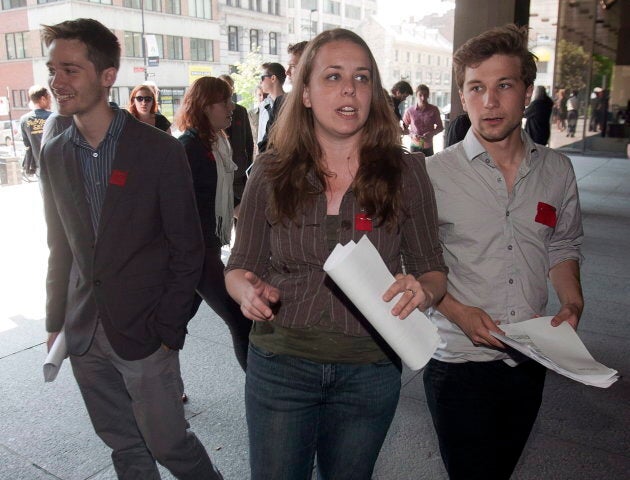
413, 295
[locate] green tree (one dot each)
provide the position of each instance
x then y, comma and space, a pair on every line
247, 78
573, 64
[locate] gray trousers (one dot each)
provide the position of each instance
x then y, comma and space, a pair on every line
136, 409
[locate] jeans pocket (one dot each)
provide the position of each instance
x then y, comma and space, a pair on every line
261, 352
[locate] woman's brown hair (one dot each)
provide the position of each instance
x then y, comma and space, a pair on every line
136, 91
294, 150
204, 92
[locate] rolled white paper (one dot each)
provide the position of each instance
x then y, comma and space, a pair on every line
55, 357
361, 273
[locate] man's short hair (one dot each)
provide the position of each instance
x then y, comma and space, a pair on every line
276, 69
509, 40
103, 48
227, 79
402, 87
297, 48
36, 92
422, 88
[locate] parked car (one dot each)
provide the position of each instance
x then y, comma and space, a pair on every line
5, 131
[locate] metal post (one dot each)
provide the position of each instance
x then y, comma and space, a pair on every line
310, 22
11, 123
144, 44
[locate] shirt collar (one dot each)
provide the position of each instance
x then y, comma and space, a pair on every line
113, 131
474, 149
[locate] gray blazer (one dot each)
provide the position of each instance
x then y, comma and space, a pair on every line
139, 273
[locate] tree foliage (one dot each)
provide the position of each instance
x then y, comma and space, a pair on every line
247, 78
573, 64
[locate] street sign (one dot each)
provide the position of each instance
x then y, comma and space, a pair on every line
138, 69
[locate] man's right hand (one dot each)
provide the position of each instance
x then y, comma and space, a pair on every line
473, 321
51, 339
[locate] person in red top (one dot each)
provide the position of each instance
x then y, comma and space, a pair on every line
423, 121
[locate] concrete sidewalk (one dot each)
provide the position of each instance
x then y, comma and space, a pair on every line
582, 432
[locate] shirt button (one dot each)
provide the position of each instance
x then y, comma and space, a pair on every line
499, 179
509, 247
95, 154
507, 214
512, 313
510, 281
487, 160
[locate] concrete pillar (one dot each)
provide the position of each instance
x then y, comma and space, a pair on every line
473, 17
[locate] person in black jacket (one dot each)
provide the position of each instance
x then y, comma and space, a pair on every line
538, 115
205, 113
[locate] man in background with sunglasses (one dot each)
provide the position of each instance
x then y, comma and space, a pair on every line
272, 82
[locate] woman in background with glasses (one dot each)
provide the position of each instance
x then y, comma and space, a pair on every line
205, 113
143, 106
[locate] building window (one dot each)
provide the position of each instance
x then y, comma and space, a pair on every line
408, 57
254, 39
273, 43
103, 2
9, 4
309, 4
396, 57
201, 50
419, 58
200, 8
133, 44
233, 39
353, 11
428, 59
233, 3
332, 7
291, 3
132, 4
173, 6
291, 27
153, 5
41, 2
20, 98
438, 60
173, 47
16, 45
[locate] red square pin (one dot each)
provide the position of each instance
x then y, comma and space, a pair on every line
118, 178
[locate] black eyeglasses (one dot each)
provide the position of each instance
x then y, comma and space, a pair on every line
262, 77
141, 99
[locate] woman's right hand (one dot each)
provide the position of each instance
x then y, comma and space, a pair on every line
254, 295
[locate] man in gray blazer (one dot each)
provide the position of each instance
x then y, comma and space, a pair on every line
125, 256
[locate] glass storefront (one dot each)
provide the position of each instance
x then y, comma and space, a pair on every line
576, 42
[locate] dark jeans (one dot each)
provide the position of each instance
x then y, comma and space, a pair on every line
483, 413
297, 408
212, 289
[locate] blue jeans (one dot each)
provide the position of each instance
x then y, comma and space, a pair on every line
483, 413
297, 408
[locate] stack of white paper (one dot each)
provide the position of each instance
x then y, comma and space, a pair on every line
55, 357
557, 348
359, 270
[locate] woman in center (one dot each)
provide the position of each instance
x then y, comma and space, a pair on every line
320, 381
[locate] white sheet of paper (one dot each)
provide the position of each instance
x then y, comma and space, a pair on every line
359, 270
558, 348
55, 357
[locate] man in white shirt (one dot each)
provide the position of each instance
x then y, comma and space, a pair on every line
509, 218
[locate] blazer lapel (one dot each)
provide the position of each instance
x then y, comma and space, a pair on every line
76, 182
122, 168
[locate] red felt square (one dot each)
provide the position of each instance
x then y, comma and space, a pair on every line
546, 214
118, 177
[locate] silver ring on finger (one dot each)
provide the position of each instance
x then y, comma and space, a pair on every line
413, 292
